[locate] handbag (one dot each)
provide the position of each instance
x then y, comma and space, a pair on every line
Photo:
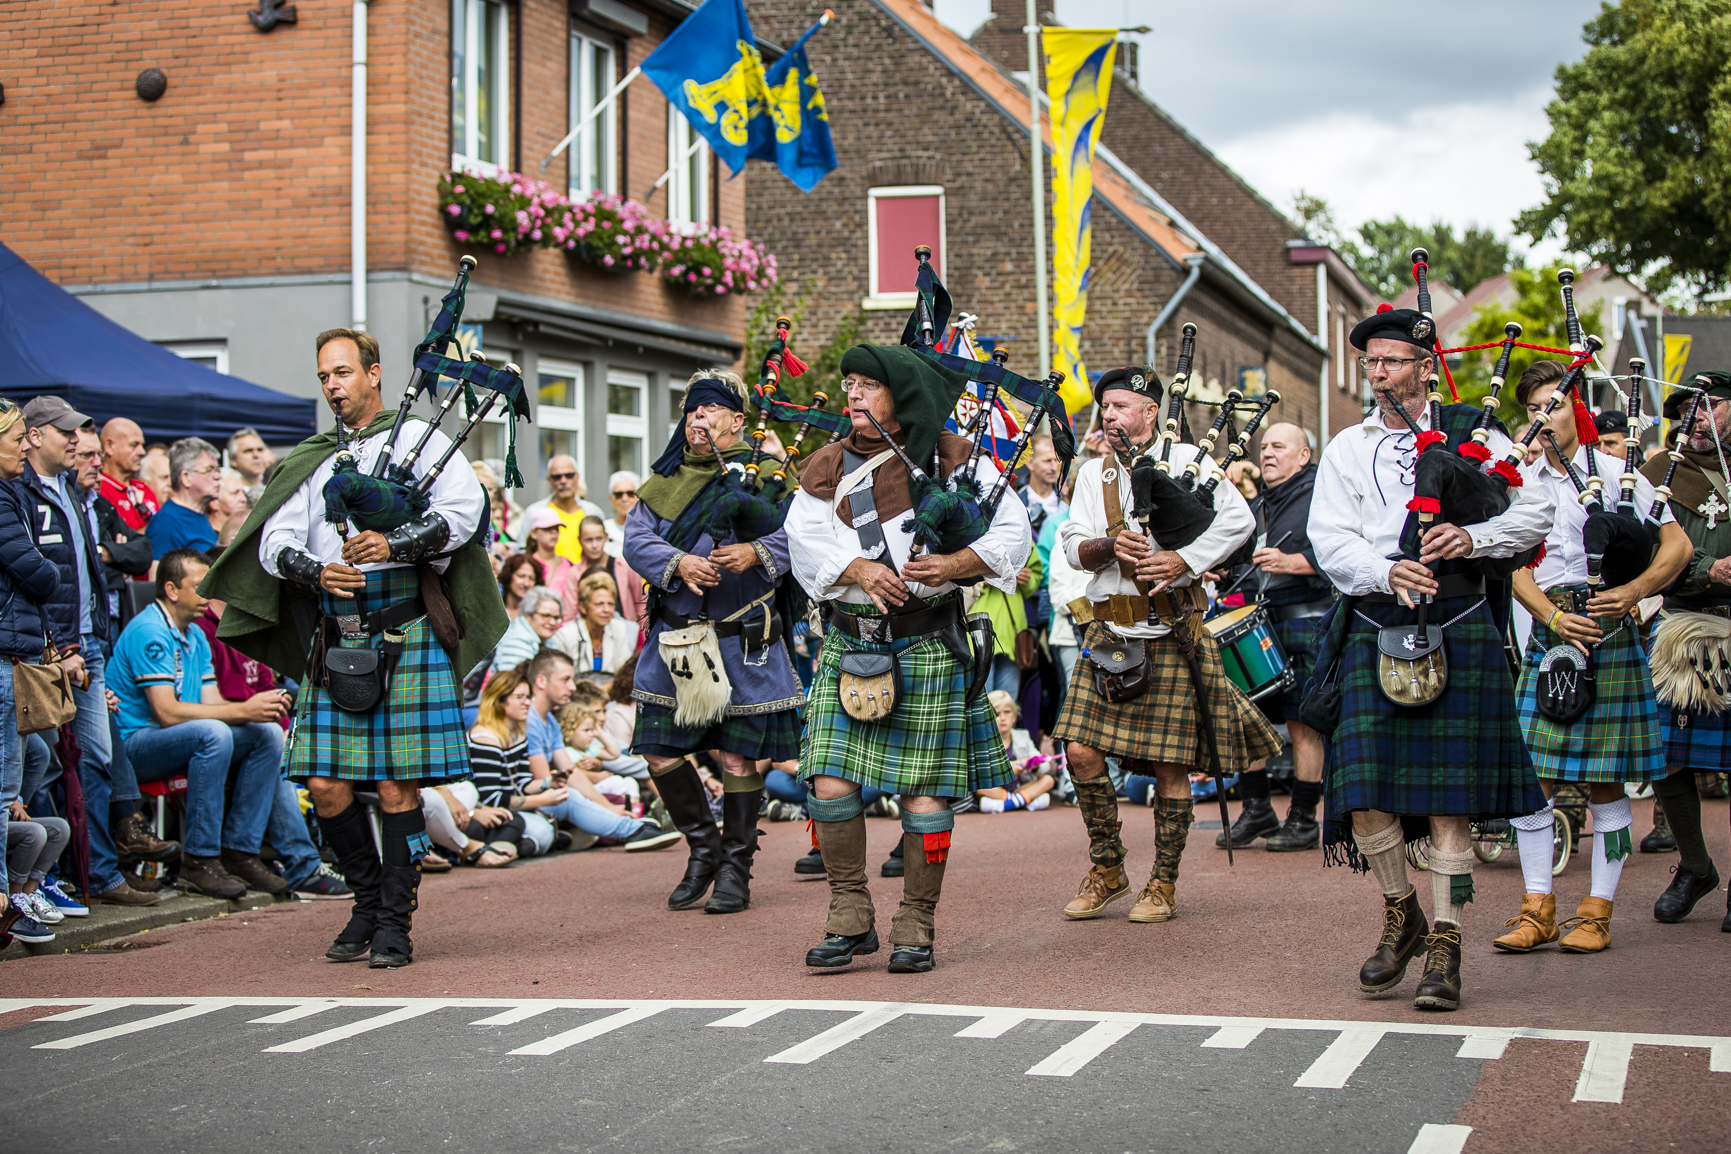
1322, 705
1121, 669
1566, 686
42, 694
868, 684
701, 687
1027, 649
1412, 668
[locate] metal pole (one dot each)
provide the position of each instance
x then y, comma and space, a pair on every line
1038, 150
590, 115
1322, 335
358, 172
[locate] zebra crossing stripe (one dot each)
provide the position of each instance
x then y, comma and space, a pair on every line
353, 1029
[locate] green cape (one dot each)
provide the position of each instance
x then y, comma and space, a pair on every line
257, 621
668, 496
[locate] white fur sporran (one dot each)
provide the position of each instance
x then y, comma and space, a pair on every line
1691, 661
700, 684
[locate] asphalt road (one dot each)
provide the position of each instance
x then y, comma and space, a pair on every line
556, 1005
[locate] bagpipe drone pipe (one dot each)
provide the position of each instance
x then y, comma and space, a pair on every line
391, 495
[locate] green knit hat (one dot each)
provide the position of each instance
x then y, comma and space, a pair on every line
925, 393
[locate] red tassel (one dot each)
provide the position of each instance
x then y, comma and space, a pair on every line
1424, 505
1585, 431
1508, 473
937, 847
1534, 563
1474, 451
795, 366
1385, 307
1430, 437
811, 828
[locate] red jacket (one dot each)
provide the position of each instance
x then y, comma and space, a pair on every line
134, 501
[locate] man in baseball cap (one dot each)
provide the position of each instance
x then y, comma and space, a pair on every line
55, 413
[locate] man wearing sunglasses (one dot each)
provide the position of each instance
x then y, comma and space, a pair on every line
564, 497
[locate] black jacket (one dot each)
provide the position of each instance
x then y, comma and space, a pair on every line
52, 532
128, 553
27, 578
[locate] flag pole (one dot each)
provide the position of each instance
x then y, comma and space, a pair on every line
1038, 167
600, 105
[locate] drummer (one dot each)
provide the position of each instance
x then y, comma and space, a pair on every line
1296, 595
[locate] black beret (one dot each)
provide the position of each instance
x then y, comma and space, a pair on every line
1132, 378
1715, 382
1612, 421
1394, 324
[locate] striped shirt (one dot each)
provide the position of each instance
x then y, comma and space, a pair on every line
500, 774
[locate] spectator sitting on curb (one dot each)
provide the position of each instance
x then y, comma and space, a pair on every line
183, 522
537, 621
1033, 783
474, 819
33, 845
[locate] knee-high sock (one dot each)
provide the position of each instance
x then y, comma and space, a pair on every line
1385, 852
1305, 795
839, 830
406, 840
1098, 802
1451, 884
1611, 822
1172, 818
1683, 809
1533, 837
926, 853
1253, 783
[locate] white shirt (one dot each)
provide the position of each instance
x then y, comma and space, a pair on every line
1565, 561
300, 522
1065, 582
1359, 506
1233, 524
821, 545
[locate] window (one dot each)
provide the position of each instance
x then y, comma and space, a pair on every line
627, 427
900, 220
210, 354
480, 61
592, 152
688, 157
561, 393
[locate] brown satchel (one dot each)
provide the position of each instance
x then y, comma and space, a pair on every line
42, 694
1121, 669
1027, 649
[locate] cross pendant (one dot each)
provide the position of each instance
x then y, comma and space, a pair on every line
1711, 508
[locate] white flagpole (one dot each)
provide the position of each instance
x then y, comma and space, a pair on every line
590, 115
1039, 195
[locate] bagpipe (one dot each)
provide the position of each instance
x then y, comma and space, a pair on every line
391, 495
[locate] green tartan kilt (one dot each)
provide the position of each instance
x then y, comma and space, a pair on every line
1619, 738
1160, 725
933, 744
416, 732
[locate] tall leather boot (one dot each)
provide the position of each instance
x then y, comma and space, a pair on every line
913, 927
688, 805
738, 846
398, 899
351, 840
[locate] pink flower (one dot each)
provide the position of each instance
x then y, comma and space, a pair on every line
456, 210
461, 234
487, 208
496, 234
458, 189
498, 248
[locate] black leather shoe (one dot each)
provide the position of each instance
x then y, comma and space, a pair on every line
1681, 895
811, 863
1403, 935
1725, 926
1256, 820
894, 866
840, 949
388, 959
911, 960
687, 804
1440, 988
1300, 831
342, 951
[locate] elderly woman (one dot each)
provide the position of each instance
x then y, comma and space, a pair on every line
519, 574
598, 639
622, 491
537, 621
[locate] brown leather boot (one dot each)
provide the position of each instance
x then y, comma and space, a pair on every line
134, 842
1156, 903
1403, 934
1440, 988
1535, 925
1103, 886
911, 930
1590, 928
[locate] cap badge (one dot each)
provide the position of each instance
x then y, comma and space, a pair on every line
1136, 381
1422, 329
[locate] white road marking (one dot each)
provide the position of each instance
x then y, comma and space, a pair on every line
583, 1033
1719, 1058
104, 1035
1232, 1037
294, 1015
1483, 1046
101, 1007
1436, 1138
1336, 1064
365, 1025
992, 1026
837, 1036
1604, 1070
752, 1015
1080, 1050
514, 1015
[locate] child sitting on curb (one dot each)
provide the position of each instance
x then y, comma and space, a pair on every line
1034, 783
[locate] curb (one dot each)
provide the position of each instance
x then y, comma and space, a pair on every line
107, 923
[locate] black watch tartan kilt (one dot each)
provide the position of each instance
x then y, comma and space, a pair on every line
772, 736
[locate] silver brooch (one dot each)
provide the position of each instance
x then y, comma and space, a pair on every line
1422, 329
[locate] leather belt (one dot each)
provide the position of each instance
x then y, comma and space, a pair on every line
1132, 609
390, 617
897, 626
753, 624
1301, 612
1448, 588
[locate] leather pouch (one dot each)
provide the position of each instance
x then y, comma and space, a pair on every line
1567, 687
1120, 669
869, 684
1412, 670
1027, 649
354, 678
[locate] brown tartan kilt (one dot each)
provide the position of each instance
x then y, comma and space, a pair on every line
1160, 725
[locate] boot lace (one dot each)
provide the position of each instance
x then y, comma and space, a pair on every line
1393, 925
1437, 961
1095, 885
1602, 924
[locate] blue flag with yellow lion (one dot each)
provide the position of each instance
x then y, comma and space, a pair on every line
710, 69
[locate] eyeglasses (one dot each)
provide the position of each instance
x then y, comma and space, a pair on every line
1392, 364
205, 472
625, 492
561, 476
545, 616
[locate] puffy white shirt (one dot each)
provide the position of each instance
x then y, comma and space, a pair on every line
1359, 507
821, 545
300, 521
1233, 525
1565, 561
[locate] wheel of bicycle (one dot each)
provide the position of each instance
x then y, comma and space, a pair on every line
1562, 840
1489, 848
1418, 853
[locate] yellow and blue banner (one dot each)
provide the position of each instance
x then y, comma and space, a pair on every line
1078, 81
710, 69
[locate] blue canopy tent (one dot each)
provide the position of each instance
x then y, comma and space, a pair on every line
55, 343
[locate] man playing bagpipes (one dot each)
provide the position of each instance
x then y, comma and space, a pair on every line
1691, 651
714, 673
898, 699
1439, 744
1135, 692
1585, 694
395, 615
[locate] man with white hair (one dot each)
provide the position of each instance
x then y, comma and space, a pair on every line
564, 497
183, 522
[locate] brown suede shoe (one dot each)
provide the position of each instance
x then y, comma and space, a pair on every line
1156, 903
1103, 886
1590, 928
205, 875
125, 895
133, 841
250, 868
1535, 925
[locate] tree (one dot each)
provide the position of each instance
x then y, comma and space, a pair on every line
824, 369
1637, 167
1461, 261
1538, 307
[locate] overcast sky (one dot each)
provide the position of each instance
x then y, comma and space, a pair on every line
1381, 109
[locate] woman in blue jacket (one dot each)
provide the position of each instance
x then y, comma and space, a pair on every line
27, 579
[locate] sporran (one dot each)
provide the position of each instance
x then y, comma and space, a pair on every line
701, 687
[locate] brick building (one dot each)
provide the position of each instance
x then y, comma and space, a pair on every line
932, 134
217, 219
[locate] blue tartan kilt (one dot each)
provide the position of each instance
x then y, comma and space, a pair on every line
415, 733
1697, 741
1298, 640
1462, 755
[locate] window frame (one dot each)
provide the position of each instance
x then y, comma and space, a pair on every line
899, 300
688, 202
582, 97
199, 350
624, 425
471, 13
564, 418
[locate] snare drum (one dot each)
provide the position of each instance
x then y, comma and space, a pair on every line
1250, 651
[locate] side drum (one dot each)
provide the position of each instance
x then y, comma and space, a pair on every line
1250, 652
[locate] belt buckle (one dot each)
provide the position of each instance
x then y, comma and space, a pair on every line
350, 625
874, 629
1123, 609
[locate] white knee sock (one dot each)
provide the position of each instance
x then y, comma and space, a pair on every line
1451, 884
1533, 836
1385, 852
1611, 821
